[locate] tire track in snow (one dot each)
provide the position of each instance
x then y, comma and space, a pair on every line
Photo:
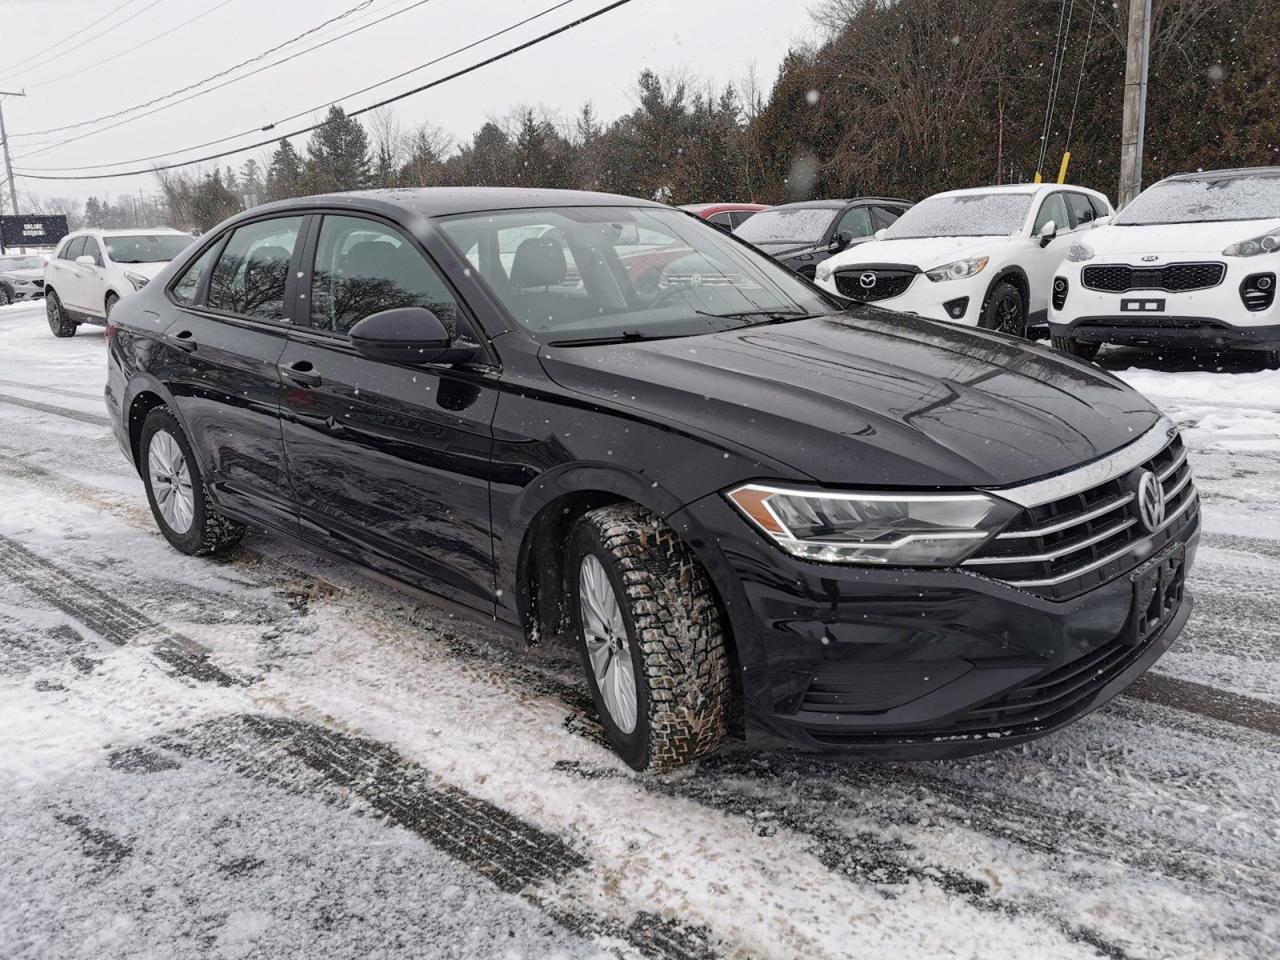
93, 418
1207, 701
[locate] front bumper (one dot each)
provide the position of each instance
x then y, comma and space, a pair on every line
917, 664
1212, 317
927, 298
28, 290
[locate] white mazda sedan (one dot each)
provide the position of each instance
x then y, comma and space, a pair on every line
1192, 261
985, 257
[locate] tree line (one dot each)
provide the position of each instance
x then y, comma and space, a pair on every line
898, 97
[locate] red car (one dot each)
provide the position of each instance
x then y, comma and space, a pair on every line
726, 216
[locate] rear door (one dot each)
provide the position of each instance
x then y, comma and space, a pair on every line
68, 273
235, 303
390, 463
91, 283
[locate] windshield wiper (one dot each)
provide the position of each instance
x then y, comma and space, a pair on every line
627, 336
770, 316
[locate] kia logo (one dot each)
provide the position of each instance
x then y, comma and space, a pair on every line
1150, 258
1151, 505
867, 281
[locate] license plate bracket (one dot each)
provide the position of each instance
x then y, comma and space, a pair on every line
1158, 588
1144, 305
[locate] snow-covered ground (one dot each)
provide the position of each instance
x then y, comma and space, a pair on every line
271, 756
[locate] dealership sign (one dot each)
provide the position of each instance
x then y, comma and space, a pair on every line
32, 231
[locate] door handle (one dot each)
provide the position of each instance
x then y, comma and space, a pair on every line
184, 341
300, 372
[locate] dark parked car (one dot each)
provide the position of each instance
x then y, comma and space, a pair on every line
801, 235
747, 503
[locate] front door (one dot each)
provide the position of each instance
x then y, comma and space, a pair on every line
389, 462
221, 364
1042, 262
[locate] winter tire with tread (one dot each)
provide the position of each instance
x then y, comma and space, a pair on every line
59, 323
1004, 311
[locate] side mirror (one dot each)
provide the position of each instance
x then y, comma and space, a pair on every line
840, 241
86, 261
881, 232
1102, 221
410, 335
1047, 233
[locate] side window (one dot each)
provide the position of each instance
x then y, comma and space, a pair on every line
883, 217
91, 249
64, 251
856, 222
722, 220
251, 274
1100, 208
1082, 213
188, 285
75, 247
739, 217
363, 267
1055, 209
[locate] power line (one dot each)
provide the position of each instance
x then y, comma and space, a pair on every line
39, 149
1093, 9
198, 83
1059, 45
70, 36
114, 26
128, 50
373, 86
355, 113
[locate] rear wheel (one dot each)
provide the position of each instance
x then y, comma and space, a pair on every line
61, 324
651, 639
176, 491
1004, 311
1084, 349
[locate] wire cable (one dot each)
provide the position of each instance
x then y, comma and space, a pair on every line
114, 26
71, 36
198, 83
1084, 57
512, 51
318, 107
1058, 46
38, 149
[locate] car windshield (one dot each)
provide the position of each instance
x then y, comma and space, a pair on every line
1205, 201
795, 225
21, 263
589, 274
963, 215
146, 248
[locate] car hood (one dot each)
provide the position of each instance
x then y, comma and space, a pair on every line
1201, 239
148, 270
924, 252
26, 275
871, 398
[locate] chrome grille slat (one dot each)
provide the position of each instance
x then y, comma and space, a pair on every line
1068, 524
1173, 467
1066, 551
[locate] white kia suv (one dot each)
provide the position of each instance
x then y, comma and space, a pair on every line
983, 258
93, 269
1193, 260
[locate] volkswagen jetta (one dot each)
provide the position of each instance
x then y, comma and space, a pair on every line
751, 505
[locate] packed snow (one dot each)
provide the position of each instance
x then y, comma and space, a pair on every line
269, 755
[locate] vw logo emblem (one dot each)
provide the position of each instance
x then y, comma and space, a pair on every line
867, 281
1151, 504
1150, 258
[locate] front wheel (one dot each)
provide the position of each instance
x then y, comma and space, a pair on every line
59, 323
1004, 311
176, 491
1084, 349
6, 297
651, 639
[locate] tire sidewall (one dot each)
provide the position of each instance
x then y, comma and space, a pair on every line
999, 292
56, 314
160, 419
632, 747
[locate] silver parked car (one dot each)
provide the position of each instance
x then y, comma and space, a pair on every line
21, 278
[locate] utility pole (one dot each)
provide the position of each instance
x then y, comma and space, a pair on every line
1135, 100
4, 143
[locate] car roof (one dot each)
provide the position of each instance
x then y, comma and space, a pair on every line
1027, 189
1230, 172
835, 204
139, 232
447, 201
727, 206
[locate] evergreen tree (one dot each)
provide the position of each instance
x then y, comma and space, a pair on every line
337, 155
425, 165
284, 176
251, 182
213, 202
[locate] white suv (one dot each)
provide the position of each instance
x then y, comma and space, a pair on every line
1193, 260
984, 258
95, 268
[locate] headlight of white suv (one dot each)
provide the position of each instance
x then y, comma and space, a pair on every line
137, 279
1267, 243
926, 530
957, 270
1080, 252
823, 272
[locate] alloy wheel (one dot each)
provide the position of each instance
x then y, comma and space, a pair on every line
608, 647
171, 482
1009, 315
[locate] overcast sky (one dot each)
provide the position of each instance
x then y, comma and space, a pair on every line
598, 61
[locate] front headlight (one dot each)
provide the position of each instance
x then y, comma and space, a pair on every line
1267, 243
958, 270
823, 272
926, 530
1080, 252
137, 279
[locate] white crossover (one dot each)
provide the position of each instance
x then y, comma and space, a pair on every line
984, 257
93, 269
1193, 260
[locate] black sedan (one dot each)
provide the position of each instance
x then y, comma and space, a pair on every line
596, 420
801, 235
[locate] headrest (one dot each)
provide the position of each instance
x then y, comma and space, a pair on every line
539, 262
